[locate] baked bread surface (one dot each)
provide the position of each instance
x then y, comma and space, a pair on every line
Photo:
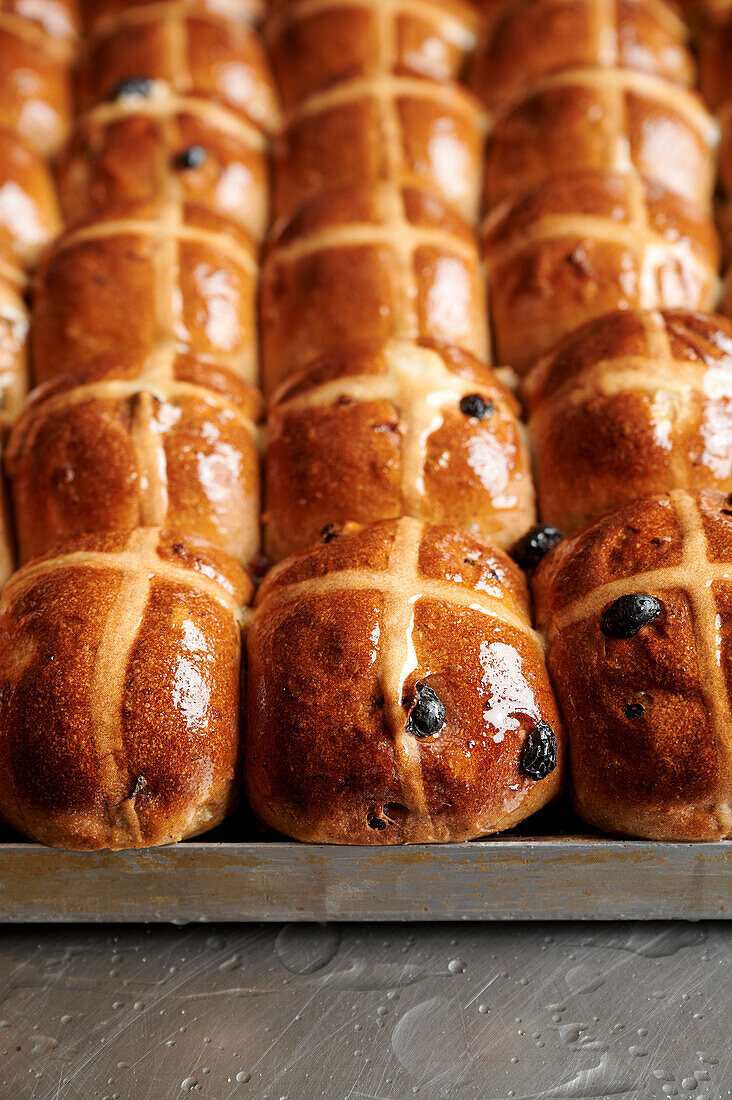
345, 638
648, 714
119, 691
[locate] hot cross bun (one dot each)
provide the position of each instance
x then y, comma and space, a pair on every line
144, 275
628, 405
531, 39
397, 692
369, 261
147, 149
29, 214
314, 46
637, 610
585, 243
381, 430
101, 16
119, 691
406, 129
163, 440
196, 51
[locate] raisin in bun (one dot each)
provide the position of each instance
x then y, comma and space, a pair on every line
132, 440
631, 404
119, 691
637, 609
314, 47
585, 243
379, 430
397, 692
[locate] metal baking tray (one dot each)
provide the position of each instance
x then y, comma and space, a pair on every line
553, 868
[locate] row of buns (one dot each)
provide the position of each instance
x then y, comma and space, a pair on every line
284, 222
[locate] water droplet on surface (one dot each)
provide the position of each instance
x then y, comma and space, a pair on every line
690, 1083
243, 1077
190, 1084
430, 1042
457, 966
305, 948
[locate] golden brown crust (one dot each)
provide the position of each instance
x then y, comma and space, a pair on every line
314, 46
342, 637
377, 430
530, 39
197, 52
369, 262
586, 243
35, 99
57, 19
133, 442
29, 215
628, 405
648, 716
187, 276
119, 666
13, 343
101, 16
405, 129
134, 151
607, 118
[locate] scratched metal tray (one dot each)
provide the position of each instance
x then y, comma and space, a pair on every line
553, 868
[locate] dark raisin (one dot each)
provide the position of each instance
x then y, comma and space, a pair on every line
427, 716
476, 406
137, 786
634, 710
375, 822
537, 542
329, 532
625, 617
133, 85
192, 157
259, 566
539, 754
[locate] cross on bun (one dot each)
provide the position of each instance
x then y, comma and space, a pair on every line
397, 692
369, 262
637, 609
314, 46
380, 430
101, 16
530, 39
195, 50
628, 405
145, 149
141, 276
585, 243
163, 440
405, 129
119, 691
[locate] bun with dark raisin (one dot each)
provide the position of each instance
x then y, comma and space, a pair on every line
397, 693
637, 611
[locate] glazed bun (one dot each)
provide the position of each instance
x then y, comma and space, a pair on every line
636, 610
631, 404
379, 430
397, 692
119, 691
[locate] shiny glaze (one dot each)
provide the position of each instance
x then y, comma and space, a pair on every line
13, 343
369, 262
376, 431
119, 691
127, 152
207, 55
187, 276
586, 243
315, 46
629, 405
35, 99
532, 38
715, 49
130, 442
664, 773
29, 214
341, 635
404, 129
609, 119
59, 19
